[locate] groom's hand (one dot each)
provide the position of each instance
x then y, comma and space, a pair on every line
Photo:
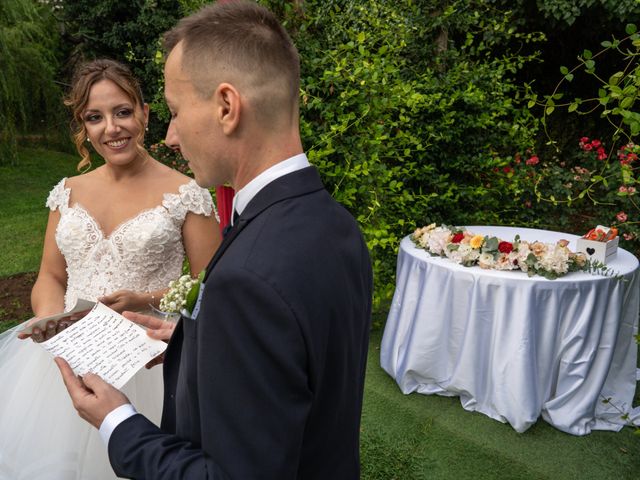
156, 328
92, 397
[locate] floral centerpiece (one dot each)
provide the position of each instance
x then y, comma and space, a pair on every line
466, 248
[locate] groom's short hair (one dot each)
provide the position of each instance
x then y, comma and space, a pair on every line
241, 43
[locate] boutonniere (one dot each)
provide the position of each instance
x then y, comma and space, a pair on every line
182, 295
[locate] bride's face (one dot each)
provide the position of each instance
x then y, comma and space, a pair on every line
113, 123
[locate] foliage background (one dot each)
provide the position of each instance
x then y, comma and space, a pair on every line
414, 111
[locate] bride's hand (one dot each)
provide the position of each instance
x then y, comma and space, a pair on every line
39, 335
125, 300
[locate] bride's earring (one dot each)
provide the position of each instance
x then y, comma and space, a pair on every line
146, 128
88, 141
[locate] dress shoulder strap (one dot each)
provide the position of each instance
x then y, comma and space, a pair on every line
58, 198
190, 198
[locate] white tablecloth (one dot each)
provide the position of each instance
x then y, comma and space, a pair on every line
514, 347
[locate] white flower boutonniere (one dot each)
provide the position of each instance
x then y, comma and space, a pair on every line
182, 295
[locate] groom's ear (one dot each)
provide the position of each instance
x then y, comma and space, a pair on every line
228, 107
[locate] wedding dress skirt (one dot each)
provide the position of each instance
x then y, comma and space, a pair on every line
42, 436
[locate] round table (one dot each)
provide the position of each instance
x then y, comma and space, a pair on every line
516, 347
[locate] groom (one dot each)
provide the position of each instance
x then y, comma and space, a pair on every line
266, 379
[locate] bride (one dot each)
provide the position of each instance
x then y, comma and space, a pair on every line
117, 234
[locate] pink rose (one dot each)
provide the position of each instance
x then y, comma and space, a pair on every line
587, 147
622, 189
584, 140
622, 217
628, 236
533, 160
631, 190
601, 153
596, 143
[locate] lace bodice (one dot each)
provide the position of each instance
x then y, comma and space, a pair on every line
142, 254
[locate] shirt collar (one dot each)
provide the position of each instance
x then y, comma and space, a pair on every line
243, 196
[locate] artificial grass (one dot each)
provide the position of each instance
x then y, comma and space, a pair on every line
431, 437
23, 215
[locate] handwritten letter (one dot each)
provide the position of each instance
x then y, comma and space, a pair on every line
107, 344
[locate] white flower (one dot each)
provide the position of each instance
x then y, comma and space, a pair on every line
486, 260
437, 240
176, 296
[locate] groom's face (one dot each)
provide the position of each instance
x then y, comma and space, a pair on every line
193, 128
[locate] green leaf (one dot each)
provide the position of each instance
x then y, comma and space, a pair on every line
568, 77
626, 102
192, 296
490, 244
361, 37
587, 54
564, 70
629, 90
573, 107
589, 64
549, 110
615, 78
630, 29
606, 44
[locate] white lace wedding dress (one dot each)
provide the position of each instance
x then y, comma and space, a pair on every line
41, 435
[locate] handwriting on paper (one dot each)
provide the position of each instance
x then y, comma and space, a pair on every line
107, 344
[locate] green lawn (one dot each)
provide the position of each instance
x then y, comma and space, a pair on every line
23, 215
403, 436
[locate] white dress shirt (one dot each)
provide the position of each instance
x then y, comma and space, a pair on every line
240, 202
243, 196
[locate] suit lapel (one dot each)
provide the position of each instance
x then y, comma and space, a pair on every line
300, 182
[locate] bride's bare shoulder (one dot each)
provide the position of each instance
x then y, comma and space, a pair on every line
172, 179
82, 180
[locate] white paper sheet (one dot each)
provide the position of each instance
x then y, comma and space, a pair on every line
107, 344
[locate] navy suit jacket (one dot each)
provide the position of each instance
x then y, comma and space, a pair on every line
267, 381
